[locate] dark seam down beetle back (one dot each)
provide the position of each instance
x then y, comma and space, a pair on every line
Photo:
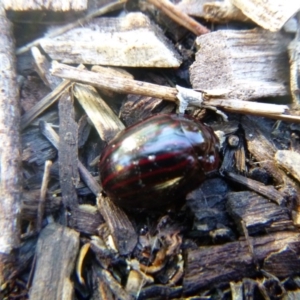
157, 161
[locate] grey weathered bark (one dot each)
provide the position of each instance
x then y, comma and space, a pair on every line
236, 261
249, 64
10, 159
68, 152
120, 227
269, 14
132, 41
258, 214
56, 253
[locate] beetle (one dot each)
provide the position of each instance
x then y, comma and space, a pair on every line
158, 161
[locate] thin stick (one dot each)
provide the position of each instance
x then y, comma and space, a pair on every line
113, 83
42, 202
130, 86
179, 17
101, 11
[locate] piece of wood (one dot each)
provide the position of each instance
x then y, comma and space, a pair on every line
86, 176
283, 262
207, 205
32, 90
25, 255
112, 283
265, 190
136, 108
101, 115
42, 202
118, 84
52, 5
212, 265
132, 41
165, 291
289, 161
86, 219
120, 227
42, 66
294, 55
259, 144
234, 156
56, 253
36, 149
111, 71
30, 203
129, 86
269, 14
221, 98
193, 7
43, 104
262, 149
98, 12
250, 108
213, 11
258, 214
222, 12
101, 290
68, 152
84, 130
179, 16
10, 159
249, 64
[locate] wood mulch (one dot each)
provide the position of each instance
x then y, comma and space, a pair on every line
72, 78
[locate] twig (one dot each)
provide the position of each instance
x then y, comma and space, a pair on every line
113, 83
42, 202
199, 99
180, 17
101, 11
268, 110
